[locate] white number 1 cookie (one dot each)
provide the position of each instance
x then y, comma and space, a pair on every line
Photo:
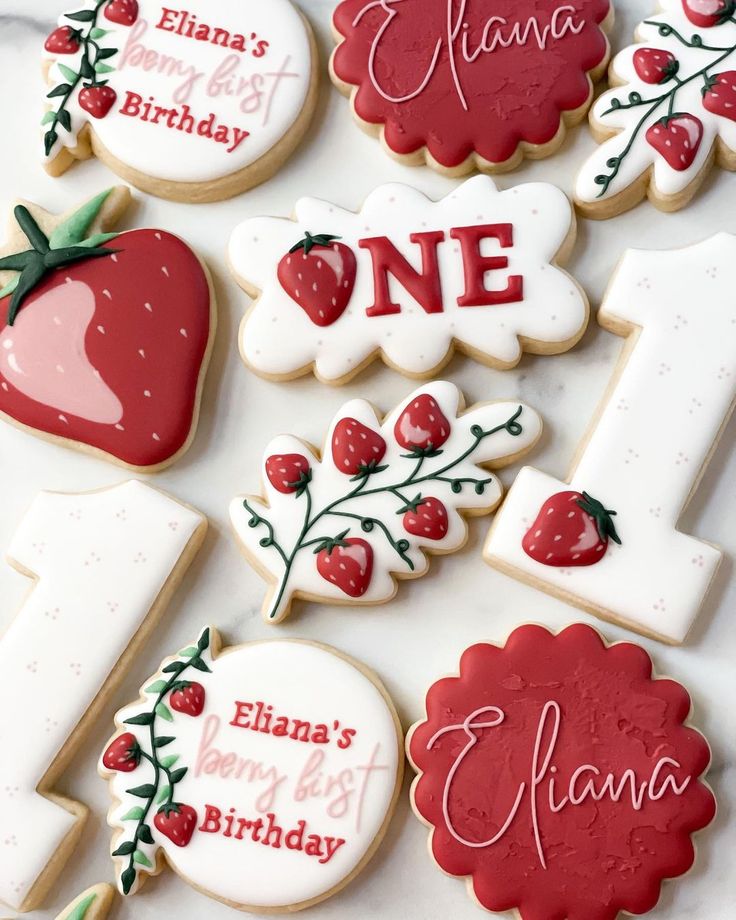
193, 102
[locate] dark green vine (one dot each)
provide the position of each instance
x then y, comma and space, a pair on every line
367, 524
162, 766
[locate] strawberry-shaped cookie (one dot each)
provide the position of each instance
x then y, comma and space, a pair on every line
319, 274
571, 529
104, 337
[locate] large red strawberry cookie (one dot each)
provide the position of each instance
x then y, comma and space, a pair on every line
104, 337
559, 776
470, 84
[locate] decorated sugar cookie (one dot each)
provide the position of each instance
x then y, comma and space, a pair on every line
193, 102
409, 279
671, 114
342, 526
93, 904
466, 85
607, 540
105, 337
105, 565
559, 777
265, 776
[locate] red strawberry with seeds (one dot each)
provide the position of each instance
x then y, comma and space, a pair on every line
655, 66
426, 518
123, 755
288, 473
177, 822
347, 564
122, 12
319, 274
422, 426
63, 40
572, 529
355, 448
707, 13
677, 138
97, 100
719, 94
188, 699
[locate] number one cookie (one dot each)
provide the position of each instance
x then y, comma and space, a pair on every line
106, 564
644, 458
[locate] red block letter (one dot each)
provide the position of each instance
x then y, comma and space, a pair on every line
475, 266
425, 287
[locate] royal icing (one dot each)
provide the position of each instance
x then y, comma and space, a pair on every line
384, 494
678, 100
263, 775
190, 94
101, 561
646, 452
109, 349
93, 904
536, 794
465, 84
407, 278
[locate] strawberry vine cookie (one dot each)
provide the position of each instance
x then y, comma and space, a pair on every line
265, 776
671, 115
409, 279
608, 539
461, 86
342, 526
105, 337
558, 776
105, 565
93, 904
196, 102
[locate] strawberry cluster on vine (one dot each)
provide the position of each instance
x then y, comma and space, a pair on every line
677, 135
358, 451
125, 754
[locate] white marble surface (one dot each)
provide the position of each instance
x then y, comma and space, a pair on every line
421, 635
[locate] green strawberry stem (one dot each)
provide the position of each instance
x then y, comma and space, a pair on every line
368, 524
310, 241
88, 69
150, 791
602, 516
635, 99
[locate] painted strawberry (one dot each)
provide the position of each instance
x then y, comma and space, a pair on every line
677, 138
288, 473
97, 99
123, 755
63, 40
356, 450
177, 822
347, 564
719, 94
655, 66
422, 426
188, 698
122, 12
572, 529
426, 518
707, 13
104, 341
319, 274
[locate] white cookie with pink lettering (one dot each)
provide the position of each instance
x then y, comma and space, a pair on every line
192, 102
265, 775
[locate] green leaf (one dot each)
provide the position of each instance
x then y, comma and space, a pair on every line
82, 16
146, 791
157, 687
178, 775
65, 119
189, 652
82, 909
168, 762
106, 53
144, 834
145, 718
204, 640
127, 880
49, 139
135, 814
10, 287
86, 70
67, 73
61, 90
73, 230
164, 712
142, 860
96, 34
125, 849
104, 68
200, 665
163, 740
49, 116
163, 795
175, 667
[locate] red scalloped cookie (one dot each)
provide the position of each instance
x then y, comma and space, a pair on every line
462, 84
559, 777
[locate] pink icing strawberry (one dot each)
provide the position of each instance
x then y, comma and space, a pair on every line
347, 564
719, 94
708, 13
63, 40
677, 138
122, 12
97, 100
654, 66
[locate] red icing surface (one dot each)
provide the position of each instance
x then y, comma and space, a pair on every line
602, 856
513, 94
171, 364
